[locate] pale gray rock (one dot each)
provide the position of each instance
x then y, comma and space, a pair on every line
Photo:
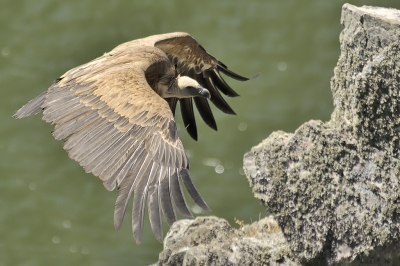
212, 241
334, 187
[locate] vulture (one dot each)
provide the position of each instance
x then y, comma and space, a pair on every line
116, 117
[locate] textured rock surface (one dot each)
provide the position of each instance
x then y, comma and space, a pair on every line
212, 241
334, 187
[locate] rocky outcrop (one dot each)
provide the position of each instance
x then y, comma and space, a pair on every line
212, 241
333, 187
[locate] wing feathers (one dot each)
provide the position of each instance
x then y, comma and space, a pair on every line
131, 163
192, 190
33, 107
77, 138
222, 85
205, 112
72, 114
55, 112
172, 104
139, 201
74, 125
127, 184
202, 105
217, 99
229, 73
93, 141
155, 212
166, 203
119, 148
172, 156
59, 95
188, 117
179, 197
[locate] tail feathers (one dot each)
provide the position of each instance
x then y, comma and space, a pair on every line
33, 107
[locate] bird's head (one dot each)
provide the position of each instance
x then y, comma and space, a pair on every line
185, 87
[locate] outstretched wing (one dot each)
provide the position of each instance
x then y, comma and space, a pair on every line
192, 60
119, 129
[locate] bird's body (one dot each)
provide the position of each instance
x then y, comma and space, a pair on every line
116, 115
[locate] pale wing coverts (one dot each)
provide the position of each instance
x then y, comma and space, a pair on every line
117, 127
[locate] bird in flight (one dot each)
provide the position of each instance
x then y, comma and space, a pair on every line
116, 117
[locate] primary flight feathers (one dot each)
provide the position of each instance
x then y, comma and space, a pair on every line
116, 115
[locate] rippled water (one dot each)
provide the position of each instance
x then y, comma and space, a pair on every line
51, 211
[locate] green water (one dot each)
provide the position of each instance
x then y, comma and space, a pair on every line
51, 211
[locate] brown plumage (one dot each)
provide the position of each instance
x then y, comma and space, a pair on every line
116, 115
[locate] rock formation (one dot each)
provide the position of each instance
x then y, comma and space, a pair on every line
333, 187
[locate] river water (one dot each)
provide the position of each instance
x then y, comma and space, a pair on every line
51, 211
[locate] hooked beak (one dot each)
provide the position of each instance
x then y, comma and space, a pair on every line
204, 92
